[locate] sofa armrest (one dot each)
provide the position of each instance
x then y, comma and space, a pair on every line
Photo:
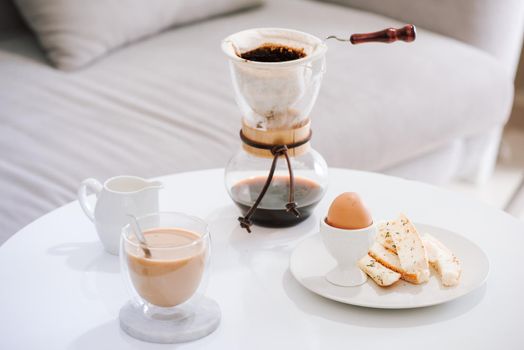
494, 26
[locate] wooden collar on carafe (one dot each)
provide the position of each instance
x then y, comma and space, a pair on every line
298, 133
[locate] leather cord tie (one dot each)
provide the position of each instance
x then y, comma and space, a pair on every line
276, 151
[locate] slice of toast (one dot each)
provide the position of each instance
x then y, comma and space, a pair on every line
385, 256
446, 264
410, 250
384, 235
379, 273
390, 260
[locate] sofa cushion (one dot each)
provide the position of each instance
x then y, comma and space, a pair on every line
166, 105
74, 33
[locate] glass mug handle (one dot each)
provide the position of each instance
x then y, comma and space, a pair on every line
95, 186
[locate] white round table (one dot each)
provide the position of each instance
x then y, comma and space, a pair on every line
60, 290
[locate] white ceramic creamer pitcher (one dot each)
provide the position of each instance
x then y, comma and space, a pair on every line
117, 198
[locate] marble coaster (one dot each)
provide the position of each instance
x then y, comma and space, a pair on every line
202, 321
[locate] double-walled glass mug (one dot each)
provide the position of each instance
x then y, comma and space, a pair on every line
166, 278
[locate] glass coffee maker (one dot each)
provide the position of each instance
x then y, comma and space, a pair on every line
277, 178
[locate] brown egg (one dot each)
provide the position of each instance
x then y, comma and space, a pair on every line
348, 212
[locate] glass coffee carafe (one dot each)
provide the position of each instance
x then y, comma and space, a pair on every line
276, 178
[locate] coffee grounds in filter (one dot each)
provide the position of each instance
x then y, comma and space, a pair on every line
273, 53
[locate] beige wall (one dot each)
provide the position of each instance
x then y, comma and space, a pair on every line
517, 115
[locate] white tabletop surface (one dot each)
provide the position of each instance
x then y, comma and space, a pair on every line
60, 290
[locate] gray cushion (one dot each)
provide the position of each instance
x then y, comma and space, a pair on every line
74, 33
166, 105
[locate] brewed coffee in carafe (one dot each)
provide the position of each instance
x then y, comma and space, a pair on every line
271, 211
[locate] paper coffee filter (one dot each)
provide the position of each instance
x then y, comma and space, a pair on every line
275, 95
252, 38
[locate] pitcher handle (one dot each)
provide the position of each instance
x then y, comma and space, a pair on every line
95, 186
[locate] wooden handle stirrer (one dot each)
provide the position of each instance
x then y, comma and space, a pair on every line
407, 33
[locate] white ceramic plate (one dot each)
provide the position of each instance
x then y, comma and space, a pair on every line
310, 261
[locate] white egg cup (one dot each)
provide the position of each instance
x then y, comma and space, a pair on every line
346, 246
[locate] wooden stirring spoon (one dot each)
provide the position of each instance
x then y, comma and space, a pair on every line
407, 33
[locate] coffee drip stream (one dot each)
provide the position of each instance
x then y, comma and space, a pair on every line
277, 178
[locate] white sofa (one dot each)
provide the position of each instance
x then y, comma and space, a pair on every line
431, 110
